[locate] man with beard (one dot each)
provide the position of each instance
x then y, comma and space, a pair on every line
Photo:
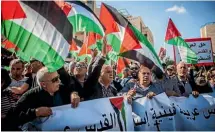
186, 84
206, 84
134, 70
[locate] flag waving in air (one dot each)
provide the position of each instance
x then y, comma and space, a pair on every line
126, 40
81, 17
174, 38
40, 29
84, 20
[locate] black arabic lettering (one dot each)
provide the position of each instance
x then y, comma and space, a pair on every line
187, 113
195, 113
111, 117
67, 128
157, 125
165, 113
202, 58
91, 129
154, 115
202, 51
147, 119
184, 112
114, 120
201, 45
209, 57
106, 126
210, 112
193, 45
206, 116
139, 123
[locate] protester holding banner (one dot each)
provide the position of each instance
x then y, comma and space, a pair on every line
37, 102
145, 86
105, 86
185, 83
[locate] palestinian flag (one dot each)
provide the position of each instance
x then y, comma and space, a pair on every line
81, 17
84, 19
40, 29
84, 52
74, 49
121, 64
162, 53
174, 38
6, 44
119, 108
126, 39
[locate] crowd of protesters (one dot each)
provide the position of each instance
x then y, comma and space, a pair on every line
29, 90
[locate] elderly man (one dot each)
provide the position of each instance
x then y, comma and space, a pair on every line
80, 72
105, 86
37, 102
170, 71
185, 83
145, 86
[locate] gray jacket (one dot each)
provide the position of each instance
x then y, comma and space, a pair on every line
141, 92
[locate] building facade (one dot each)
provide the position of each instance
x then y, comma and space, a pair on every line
140, 25
208, 31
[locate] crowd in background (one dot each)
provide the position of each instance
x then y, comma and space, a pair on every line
29, 90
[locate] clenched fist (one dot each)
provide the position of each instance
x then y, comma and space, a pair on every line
150, 95
75, 99
43, 111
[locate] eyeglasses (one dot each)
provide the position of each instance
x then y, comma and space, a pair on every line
183, 67
80, 66
54, 80
145, 73
109, 72
134, 68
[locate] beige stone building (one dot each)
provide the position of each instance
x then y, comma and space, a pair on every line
139, 24
208, 31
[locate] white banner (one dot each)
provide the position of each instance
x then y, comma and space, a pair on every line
175, 113
203, 49
96, 115
157, 114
